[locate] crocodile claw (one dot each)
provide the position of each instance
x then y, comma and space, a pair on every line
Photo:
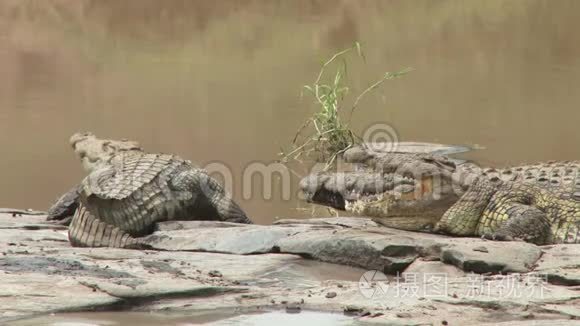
500, 237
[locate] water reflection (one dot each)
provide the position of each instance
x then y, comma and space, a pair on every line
220, 81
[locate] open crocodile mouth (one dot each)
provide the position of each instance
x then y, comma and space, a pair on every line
339, 190
396, 200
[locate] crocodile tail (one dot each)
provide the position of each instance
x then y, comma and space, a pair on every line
230, 211
226, 208
86, 230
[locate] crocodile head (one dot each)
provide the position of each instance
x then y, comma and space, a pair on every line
95, 152
403, 190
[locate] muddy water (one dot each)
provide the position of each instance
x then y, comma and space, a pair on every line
220, 81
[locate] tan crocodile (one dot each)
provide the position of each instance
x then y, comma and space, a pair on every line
128, 190
428, 192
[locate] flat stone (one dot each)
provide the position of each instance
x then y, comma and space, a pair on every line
27, 222
423, 269
334, 240
265, 266
42, 235
102, 278
561, 264
29, 294
554, 322
520, 258
155, 289
389, 254
194, 225
16, 211
351, 222
570, 308
57, 266
223, 238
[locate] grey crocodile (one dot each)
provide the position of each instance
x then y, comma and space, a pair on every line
127, 191
431, 192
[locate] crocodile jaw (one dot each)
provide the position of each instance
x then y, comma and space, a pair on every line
95, 153
391, 210
402, 202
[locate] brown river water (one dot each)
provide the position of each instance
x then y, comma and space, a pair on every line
220, 81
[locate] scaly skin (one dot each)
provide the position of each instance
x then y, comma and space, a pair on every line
64, 208
86, 230
513, 210
423, 187
127, 191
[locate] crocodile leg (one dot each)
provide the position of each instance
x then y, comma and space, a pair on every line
523, 222
209, 198
222, 202
87, 231
65, 206
463, 217
496, 213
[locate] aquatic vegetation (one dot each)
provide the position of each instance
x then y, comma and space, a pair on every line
326, 133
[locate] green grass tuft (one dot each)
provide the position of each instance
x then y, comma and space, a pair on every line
326, 134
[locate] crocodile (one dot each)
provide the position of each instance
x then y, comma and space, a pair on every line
508, 211
128, 190
425, 192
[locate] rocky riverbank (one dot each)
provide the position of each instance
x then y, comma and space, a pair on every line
327, 264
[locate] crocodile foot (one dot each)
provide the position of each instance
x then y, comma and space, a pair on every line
498, 236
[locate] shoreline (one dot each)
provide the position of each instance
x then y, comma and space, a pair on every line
292, 265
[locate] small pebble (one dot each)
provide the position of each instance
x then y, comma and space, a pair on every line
481, 249
529, 316
404, 315
293, 308
215, 274
353, 310
331, 295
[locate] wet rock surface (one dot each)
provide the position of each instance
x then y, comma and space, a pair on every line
492, 257
342, 265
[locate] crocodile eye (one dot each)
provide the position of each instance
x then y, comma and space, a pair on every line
107, 147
